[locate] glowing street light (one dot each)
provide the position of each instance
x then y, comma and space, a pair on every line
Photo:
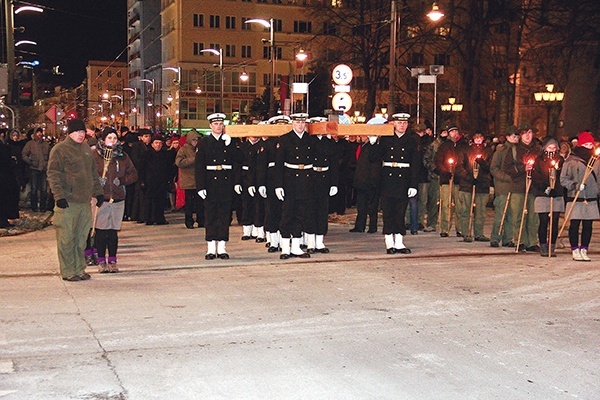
220, 54
270, 25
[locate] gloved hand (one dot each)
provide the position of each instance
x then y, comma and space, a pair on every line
116, 182
252, 191
102, 181
227, 139
262, 190
412, 192
62, 203
547, 191
279, 193
333, 191
99, 200
372, 139
582, 187
237, 189
202, 194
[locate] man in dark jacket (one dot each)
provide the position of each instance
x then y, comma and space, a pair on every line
35, 154
155, 174
366, 183
217, 179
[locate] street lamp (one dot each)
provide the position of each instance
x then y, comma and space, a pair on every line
269, 24
220, 54
452, 105
151, 81
435, 15
550, 98
129, 108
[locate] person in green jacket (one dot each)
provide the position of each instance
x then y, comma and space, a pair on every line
73, 179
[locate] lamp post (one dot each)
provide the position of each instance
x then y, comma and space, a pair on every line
178, 83
222, 76
550, 98
269, 24
151, 102
129, 108
435, 15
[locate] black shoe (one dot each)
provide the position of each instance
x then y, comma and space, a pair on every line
414, 232
245, 237
223, 256
260, 240
458, 234
444, 234
303, 255
494, 244
303, 246
284, 256
85, 276
272, 249
467, 239
356, 230
522, 248
405, 250
482, 239
372, 230
311, 251
534, 249
210, 256
74, 278
509, 244
189, 226
324, 250
141, 221
391, 250
162, 223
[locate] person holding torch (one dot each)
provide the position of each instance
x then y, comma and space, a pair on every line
579, 175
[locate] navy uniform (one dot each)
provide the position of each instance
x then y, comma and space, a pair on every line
294, 185
265, 180
326, 177
250, 202
217, 179
399, 159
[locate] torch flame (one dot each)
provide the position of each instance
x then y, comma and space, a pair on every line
450, 161
530, 161
597, 152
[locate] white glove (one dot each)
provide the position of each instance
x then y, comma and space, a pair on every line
251, 191
238, 189
412, 192
226, 139
102, 181
116, 182
279, 193
333, 191
547, 191
372, 139
202, 194
582, 187
262, 190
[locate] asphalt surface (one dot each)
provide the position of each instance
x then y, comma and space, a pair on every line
452, 320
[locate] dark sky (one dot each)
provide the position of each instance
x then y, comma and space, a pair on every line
69, 33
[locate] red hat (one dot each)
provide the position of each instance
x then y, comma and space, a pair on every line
584, 137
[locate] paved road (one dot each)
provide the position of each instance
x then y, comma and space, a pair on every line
450, 321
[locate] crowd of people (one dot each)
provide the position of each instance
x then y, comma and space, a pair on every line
282, 189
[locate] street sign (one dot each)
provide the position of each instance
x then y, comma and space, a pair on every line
342, 74
51, 114
341, 102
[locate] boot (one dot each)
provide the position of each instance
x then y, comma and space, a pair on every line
544, 249
102, 267
310, 243
389, 244
399, 244
552, 250
320, 246
254, 233
211, 253
260, 235
584, 256
285, 249
296, 251
221, 251
112, 265
274, 242
577, 255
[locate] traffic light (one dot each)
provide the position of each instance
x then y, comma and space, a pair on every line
25, 78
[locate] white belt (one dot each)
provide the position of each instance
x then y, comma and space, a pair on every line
271, 164
396, 164
321, 169
217, 167
298, 166
245, 168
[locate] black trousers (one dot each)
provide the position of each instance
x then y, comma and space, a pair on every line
107, 239
259, 210
248, 208
154, 207
217, 217
543, 227
394, 211
272, 211
586, 233
193, 205
320, 220
367, 204
296, 216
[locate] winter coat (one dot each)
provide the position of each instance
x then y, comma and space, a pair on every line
120, 166
36, 153
185, 160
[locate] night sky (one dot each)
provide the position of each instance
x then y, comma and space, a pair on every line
69, 33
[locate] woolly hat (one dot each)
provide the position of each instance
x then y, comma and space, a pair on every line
158, 137
106, 131
548, 142
584, 137
75, 125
